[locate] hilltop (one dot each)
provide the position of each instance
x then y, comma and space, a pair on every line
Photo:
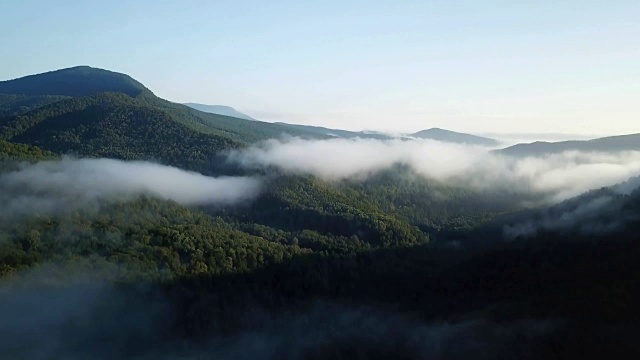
74, 81
454, 137
220, 110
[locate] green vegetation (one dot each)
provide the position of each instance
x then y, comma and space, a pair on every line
323, 218
75, 81
12, 154
433, 205
112, 115
116, 126
190, 277
21, 152
13, 104
149, 238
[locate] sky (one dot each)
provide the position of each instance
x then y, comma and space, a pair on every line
520, 66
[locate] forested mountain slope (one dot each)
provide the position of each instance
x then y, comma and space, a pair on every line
14, 104
116, 126
193, 276
300, 206
11, 155
433, 205
21, 152
75, 81
61, 109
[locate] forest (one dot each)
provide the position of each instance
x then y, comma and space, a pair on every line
393, 264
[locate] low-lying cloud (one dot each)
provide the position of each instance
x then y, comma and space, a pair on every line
52, 186
583, 218
559, 175
596, 213
336, 159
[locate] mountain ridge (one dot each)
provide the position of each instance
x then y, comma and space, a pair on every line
454, 137
337, 133
105, 113
74, 81
220, 110
630, 142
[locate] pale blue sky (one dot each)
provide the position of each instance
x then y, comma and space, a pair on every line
478, 66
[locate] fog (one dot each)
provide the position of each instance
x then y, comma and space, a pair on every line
52, 312
52, 186
583, 218
595, 213
559, 176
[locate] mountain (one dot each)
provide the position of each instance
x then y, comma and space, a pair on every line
336, 133
93, 112
11, 155
16, 104
522, 137
21, 95
595, 213
220, 110
117, 125
75, 81
454, 137
606, 144
309, 129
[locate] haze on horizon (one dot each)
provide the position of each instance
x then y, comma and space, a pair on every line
490, 67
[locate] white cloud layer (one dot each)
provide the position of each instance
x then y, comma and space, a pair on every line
51, 186
562, 175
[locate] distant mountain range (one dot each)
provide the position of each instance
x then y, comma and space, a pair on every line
220, 110
337, 133
454, 137
605, 144
529, 137
433, 134
318, 130
96, 112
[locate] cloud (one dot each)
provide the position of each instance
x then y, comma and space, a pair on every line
583, 217
336, 159
594, 213
571, 173
57, 311
52, 186
558, 176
